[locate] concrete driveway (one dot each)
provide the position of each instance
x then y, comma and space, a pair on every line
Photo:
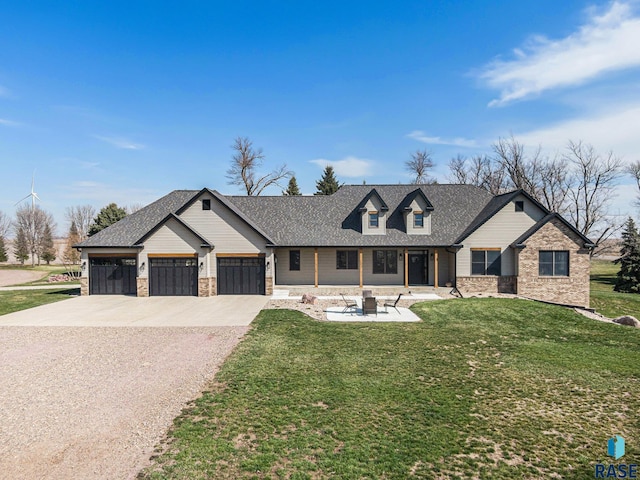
124, 311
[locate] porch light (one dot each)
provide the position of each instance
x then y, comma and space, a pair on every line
268, 264
142, 267
201, 265
84, 266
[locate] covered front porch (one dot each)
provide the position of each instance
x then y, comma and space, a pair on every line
336, 270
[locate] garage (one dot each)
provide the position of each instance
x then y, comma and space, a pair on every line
112, 276
241, 276
174, 276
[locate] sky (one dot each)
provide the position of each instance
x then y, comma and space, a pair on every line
126, 101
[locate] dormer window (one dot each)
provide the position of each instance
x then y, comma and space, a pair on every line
418, 219
373, 219
206, 204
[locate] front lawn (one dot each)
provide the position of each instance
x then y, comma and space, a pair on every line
604, 299
484, 388
14, 300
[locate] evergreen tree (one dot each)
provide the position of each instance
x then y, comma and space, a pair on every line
328, 184
21, 246
3, 251
292, 189
47, 250
109, 215
629, 275
71, 255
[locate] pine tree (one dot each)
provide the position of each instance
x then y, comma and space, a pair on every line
71, 255
292, 189
3, 251
628, 279
109, 215
328, 184
21, 246
47, 250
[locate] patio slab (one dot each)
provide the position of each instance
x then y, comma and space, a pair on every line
336, 314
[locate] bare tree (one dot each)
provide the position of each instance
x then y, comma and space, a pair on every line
554, 183
592, 186
34, 222
5, 225
419, 166
245, 161
82, 216
480, 171
523, 171
633, 169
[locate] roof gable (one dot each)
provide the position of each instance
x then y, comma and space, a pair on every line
205, 242
496, 204
373, 194
416, 194
520, 241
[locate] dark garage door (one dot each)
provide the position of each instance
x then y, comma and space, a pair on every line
173, 276
112, 276
240, 276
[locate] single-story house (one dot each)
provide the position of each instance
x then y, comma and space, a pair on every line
205, 243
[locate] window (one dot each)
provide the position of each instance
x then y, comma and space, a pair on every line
418, 220
294, 259
385, 261
519, 206
373, 219
206, 204
553, 263
485, 262
347, 259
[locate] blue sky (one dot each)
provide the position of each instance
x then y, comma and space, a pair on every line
126, 101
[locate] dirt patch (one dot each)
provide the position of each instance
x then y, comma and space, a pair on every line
83, 403
15, 277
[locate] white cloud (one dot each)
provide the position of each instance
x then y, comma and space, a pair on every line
348, 166
458, 141
9, 123
615, 130
120, 142
606, 42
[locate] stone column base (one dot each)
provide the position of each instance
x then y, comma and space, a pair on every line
142, 284
204, 287
268, 290
84, 286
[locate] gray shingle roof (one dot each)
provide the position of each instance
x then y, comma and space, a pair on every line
332, 220
335, 221
132, 228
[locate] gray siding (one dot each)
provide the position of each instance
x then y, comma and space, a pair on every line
499, 232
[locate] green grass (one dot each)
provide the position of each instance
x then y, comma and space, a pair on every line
15, 300
604, 299
491, 388
46, 270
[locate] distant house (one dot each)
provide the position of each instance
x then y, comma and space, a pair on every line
204, 243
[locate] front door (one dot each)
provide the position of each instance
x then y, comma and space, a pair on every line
418, 268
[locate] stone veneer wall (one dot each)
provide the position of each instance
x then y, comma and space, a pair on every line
142, 286
84, 286
268, 286
206, 287
572, 290
487, 284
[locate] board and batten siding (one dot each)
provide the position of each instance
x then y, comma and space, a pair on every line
500, 231
173, 238
374, 206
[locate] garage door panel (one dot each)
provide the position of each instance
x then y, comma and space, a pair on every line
112, 276
241, 276
173, 277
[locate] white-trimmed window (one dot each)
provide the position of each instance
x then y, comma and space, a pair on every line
373, 220
486, 261
553, 263
418, 219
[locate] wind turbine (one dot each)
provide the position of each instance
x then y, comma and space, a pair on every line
34, 196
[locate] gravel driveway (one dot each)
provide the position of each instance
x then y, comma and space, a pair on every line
92, 402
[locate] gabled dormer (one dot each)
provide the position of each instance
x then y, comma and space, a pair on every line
416, 211
373, 214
